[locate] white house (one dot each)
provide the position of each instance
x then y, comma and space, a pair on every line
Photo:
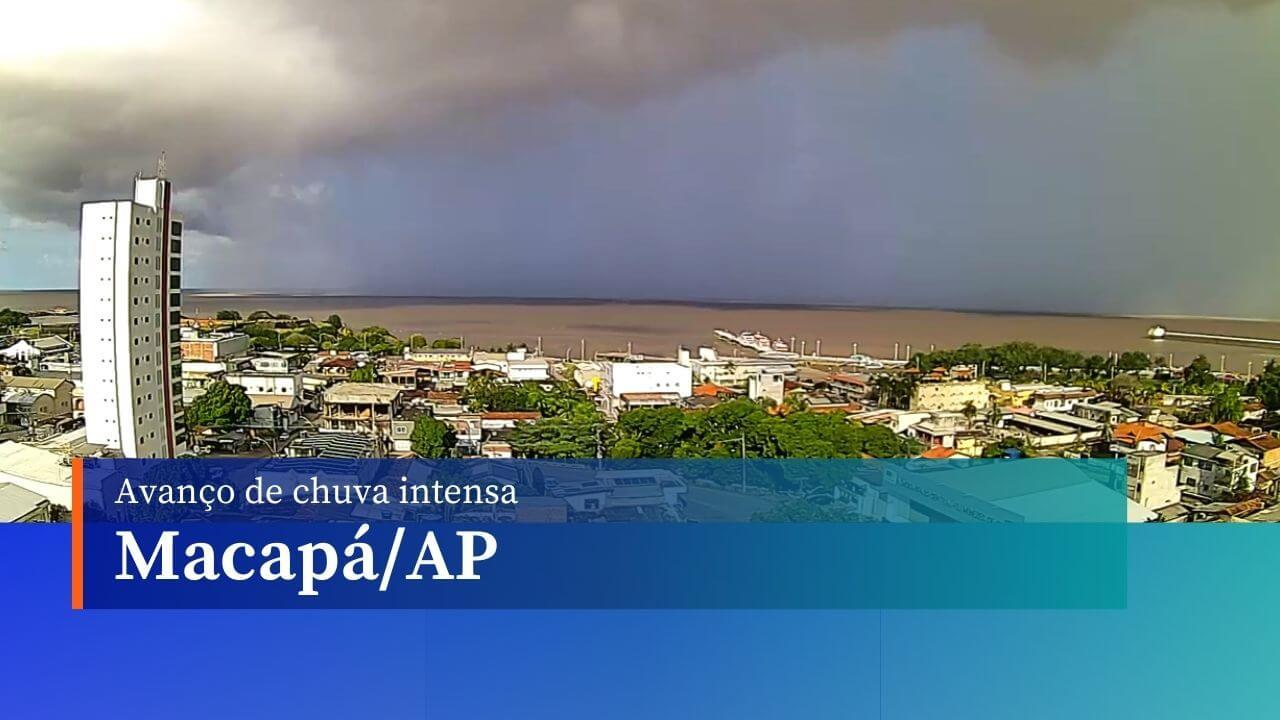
1152, 480
644, 379
274, 388
1214, 471
709, 367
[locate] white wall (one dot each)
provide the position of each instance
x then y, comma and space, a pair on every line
279, 384
123, 309
648, 377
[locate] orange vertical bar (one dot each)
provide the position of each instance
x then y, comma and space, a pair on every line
77, 534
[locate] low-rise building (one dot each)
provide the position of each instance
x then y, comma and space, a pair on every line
18, 504
31, 350
451, 375
631, 401
1140, 436
1215, 471
495, 449
1265, 447
332, 445
1152, 479
1044, 430
1060, 399
529, 370
361, 407
209, 347
640, 379
282, 389
496, 421
29, 401
948, 430
197, 375
1105, 412
276, 362
899, 421
950, 396
336, 369
707, 366
41, 470
639, 493
855, 386
767, 386
437, 355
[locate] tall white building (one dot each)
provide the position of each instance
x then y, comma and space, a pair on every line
130, 301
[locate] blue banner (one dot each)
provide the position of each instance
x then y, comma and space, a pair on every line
616, 534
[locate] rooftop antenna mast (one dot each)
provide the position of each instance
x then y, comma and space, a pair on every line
161, 168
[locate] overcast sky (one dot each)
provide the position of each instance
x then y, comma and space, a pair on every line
1111, 156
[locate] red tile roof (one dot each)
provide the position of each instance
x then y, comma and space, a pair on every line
711, 390
1135, 432
850, 378
518, 415
1265, 443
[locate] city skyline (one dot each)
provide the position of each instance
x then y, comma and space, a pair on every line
1115, 159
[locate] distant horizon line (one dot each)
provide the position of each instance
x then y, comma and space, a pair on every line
215, 293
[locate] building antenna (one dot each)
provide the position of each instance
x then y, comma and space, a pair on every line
161, 168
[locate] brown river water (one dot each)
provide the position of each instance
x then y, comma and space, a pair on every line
659, 328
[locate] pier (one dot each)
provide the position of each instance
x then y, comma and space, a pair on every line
1160, 332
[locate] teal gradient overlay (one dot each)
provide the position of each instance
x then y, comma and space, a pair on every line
1195, 640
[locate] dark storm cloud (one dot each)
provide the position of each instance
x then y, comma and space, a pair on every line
228, 86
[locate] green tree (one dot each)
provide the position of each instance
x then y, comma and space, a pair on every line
1267, 387
1001, 448
582, 433
1095, 365
261, 315
12, 319
894, 390
1124, 389
1199, 373
446, 343
264, 336
334, 321
1226, 406
221, 405
650, 432
432, 438
1133, 361
227, 315
298, 340
626, 449
364, 373
805, 511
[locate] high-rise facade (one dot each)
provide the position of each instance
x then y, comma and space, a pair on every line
130, 313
